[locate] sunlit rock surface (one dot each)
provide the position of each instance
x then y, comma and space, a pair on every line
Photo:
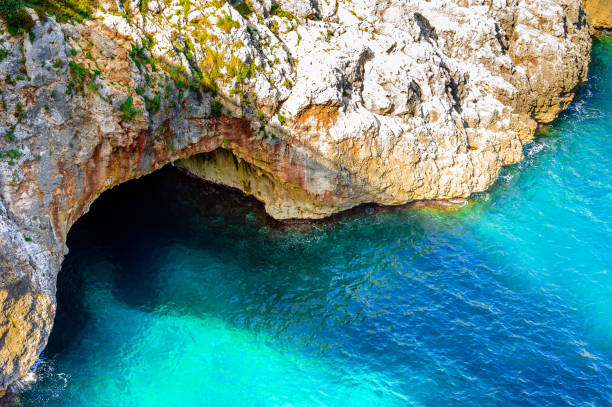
311, 106
600, 12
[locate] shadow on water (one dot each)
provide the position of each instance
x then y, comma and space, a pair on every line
126, 225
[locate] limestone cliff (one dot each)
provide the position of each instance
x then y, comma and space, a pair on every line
600, 12
312, 106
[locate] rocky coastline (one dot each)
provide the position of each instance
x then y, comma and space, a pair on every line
312, 106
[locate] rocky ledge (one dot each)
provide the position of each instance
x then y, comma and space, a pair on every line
312, 106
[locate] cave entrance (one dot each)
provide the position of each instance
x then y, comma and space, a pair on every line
125, 226
161, 272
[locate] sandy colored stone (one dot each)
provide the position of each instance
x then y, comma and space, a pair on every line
25, 324
600, 12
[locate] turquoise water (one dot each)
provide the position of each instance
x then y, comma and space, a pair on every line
181, 294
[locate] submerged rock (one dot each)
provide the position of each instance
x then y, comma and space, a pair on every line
313, 107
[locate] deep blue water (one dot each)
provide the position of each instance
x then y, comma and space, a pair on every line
179, 293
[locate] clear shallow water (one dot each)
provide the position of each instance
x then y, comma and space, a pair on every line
179, 294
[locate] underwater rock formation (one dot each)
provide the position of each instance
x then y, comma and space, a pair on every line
312, 106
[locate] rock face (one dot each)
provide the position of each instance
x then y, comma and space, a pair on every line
600, 12
312, 106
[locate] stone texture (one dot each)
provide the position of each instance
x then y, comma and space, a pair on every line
600, 12
311, 106
24, 327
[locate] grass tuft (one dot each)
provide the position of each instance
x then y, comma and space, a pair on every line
127, 109
14, 12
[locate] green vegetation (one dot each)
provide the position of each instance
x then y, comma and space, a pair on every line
19, 21
16, 17
127, 109
178, 74
65, 10
144, 6
226, 23
216, 108
282, 119
11, 154
238, 69
217, 3
186, 4
277, 11
274, 27
10, 134
244, 9
213, 65
78, 72
153, 104
210, 69
139, 55
81, 77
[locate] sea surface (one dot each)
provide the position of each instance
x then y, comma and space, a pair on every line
179, 293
